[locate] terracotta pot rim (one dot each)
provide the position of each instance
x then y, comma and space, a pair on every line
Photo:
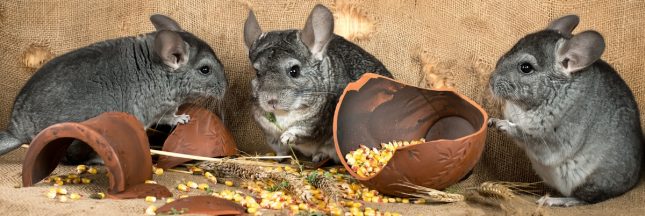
356, 86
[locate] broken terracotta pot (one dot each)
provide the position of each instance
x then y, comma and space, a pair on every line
376, 109
118, 138
204, 135
208, 205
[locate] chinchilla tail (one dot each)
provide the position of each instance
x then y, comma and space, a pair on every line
8, 142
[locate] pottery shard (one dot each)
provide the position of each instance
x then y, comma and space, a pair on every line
142, 191
204, 135
208, 205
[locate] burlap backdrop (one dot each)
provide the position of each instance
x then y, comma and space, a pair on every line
465, 36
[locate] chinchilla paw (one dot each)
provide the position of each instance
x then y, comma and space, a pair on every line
288, 138
181, 119
502, 125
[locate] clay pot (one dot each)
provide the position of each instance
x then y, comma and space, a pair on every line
118, 138
208, 205
204, 135
376, 109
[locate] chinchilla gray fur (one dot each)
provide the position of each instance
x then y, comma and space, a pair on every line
148, 76
571, 113
300, 75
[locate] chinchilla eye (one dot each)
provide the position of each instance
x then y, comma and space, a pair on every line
205, 69
294, 71
526, 68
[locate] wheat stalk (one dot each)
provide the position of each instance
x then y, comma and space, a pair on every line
430, 194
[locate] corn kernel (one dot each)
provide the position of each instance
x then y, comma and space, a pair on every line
151, 210
86, 180
158, 171
61, 191
191, 184
59, 183
151, 199
182, 187
170, 199
75, 196
150, 182
92, 170
405, 200
183, 196
62, 198
196, 170
203, 186
81, 169
228, 183
51, 195
302, 206
252, 210
77, 181
99, 195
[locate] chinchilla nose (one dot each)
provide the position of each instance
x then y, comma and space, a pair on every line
272, 102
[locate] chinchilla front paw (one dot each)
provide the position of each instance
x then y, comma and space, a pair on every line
318, 157
288, 138
180, 119
501, 124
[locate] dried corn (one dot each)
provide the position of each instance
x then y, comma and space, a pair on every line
75, 196
203, 186
169, 200
81, 169
86, 180
151, 210
92, 170
191, 184
151, 199
157, 171
62, 198
228, 183
150, 182
182, 187
99, 195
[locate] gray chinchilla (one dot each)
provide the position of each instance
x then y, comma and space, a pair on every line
571, 112
148, 76
300, 75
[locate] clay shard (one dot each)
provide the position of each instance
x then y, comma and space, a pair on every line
376, 109
208, 205
142, 191
118, 138
204, 135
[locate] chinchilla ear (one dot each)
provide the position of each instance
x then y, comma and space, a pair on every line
564, 25
162, 22
252, 30
171, 48
318, 30
579, 52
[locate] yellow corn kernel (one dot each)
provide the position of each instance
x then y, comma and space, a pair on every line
196, 170
99, 195
170, 199
81, 169
77, 181
151, 199
183, 196
92, 170
62, 198
75, 196
203, 186
158, 171
151, 210
59, 183
405, 200
61, 191
182, 187
302, 206
357, 205
86, 180
150, 182
191, 184
228, 183
420, 201
51, 195
72, 176
391, 200
252, 210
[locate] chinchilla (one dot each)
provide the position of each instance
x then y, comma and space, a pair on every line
571, 113
300, 75
148, 76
